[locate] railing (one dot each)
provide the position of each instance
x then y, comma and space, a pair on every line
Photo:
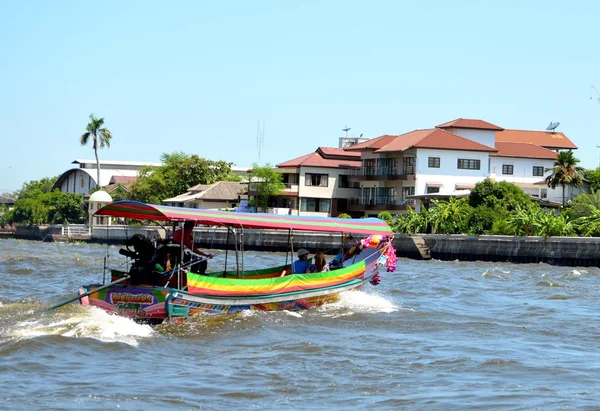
379, 201
75, 229
383, 171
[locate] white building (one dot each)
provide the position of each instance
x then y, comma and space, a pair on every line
318, 183
82, 179
396, 170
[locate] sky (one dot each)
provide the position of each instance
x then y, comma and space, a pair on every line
197, 76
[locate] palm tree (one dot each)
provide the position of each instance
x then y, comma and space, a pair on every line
100, 138
565, 172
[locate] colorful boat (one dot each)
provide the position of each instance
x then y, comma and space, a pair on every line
159, 292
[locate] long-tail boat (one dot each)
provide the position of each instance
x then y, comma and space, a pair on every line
162, 285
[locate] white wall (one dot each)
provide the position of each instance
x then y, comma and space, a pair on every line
522, 169
78, 182
448, 174
331, 191
485, 137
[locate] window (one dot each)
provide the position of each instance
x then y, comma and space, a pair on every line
431, 190
408, 191
433, 162
317, 205
538, 171
318, 180
507, 169
543, 192
464, 164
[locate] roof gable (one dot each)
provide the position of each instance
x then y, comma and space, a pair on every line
470, 123
326, 157
433, 138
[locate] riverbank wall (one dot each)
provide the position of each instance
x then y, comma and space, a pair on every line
566, 251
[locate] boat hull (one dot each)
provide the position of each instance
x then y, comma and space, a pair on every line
260, 290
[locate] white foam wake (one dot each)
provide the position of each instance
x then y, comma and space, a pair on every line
87, 322
352, 302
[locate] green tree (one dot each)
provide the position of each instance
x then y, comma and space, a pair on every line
583, 204
450, 217
590, 225
387, 217
265, 182
565, 172
499, 195
178, 173
35, 188
593, 176
100, 137
7, 218
411, 222
344, 215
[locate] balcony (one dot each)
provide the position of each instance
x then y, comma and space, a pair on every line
380, 203
383, 173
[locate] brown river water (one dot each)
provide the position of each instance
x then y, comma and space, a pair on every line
433, 335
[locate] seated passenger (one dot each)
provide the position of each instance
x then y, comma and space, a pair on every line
185, 236
320, 264
301, 266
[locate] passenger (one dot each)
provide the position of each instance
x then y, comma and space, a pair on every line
301, 266
188, 240
320, 263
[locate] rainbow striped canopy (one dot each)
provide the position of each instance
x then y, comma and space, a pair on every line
142, 211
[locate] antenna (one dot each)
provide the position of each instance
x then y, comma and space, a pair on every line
552, 126
260, 138
346, 129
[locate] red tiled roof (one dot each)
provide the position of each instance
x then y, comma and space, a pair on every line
470, 123
373, 144
334, 151
539, 138
335, 158
432, 138
525, 150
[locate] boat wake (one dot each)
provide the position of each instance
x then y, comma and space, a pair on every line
81, 322
359, 302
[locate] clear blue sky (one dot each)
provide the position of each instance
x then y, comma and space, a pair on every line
196, 76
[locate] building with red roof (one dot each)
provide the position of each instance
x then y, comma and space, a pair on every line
317, 183
409, 169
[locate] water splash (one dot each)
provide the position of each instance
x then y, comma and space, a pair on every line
85, 322
497, 272
352, 302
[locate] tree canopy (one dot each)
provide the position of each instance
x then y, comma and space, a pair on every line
178, 173
265, 182
37, 204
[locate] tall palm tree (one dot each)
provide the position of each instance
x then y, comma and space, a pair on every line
565, 172
100, 137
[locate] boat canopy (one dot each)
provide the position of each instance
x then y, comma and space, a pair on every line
142, 211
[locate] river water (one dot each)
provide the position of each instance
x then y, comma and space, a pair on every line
433, 335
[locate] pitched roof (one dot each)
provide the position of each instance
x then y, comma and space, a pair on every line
373, 143
221, 190
524, 150
6, 200
539, 138
327, 157
431, 138
470, 123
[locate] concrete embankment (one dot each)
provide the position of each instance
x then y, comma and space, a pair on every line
568, 251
